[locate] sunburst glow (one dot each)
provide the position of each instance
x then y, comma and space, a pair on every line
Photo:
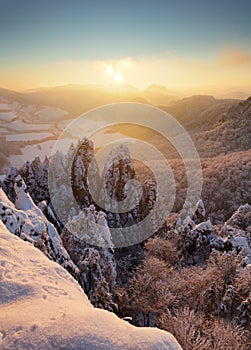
117, 77
113, 71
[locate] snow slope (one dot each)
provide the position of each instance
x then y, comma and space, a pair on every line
43, 307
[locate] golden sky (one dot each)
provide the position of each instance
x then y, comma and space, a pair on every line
230, 68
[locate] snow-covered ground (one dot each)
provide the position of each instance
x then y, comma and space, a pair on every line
31, 123
50, 113
21, 126
28, 136
43, 307
40, 149
7, 116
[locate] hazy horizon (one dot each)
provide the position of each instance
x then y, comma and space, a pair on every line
157, 89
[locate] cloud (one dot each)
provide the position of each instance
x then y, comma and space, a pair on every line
234, 57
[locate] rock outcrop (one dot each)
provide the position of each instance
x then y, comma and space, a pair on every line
197, 241
84, 164
237, 232
88, 241
27, 221
198, 237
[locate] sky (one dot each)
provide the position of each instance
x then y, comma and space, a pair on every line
173, 43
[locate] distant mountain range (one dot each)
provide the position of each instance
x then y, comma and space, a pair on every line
77, 99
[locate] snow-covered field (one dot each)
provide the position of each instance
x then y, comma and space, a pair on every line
19, 125
49, 113
30, 152
7, 116
31, 113
43, 307
41, 149
28, 136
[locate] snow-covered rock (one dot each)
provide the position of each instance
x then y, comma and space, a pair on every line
204, 227
239, 242
128, 205
35, 175
43, 307
86, 245
23, 199
198, 241
200, 212
118, 171
84, 164
26, 220
237, 232
241, 218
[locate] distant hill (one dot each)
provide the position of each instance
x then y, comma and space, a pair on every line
158, 95
77, 99
231, 132
7, 96
195, 111
239, 95
216, 126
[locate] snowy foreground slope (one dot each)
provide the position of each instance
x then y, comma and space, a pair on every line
43, 307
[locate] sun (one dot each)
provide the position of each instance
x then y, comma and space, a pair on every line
117, 77
111, 70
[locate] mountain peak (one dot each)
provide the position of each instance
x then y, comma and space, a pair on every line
157, 88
